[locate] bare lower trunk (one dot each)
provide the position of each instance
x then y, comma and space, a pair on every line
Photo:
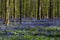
8, 12
50, 9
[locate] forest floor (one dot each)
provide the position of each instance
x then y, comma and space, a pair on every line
44, 29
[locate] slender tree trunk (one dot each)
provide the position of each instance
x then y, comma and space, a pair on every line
20, 10
50, 9
37, 14
14, 10
5, 14
1, 6
8, 12
24, 6
31, 14
57, 8
41, 9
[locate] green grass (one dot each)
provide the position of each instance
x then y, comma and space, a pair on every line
31, 34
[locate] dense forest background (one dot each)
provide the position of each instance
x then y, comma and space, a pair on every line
29, 19
29, 8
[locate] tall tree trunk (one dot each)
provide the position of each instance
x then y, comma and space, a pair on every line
24, 6
20, 10
41, 9
8, 12
5, 13
1, 6
38, 2
14, 10
57, 8
50, 9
